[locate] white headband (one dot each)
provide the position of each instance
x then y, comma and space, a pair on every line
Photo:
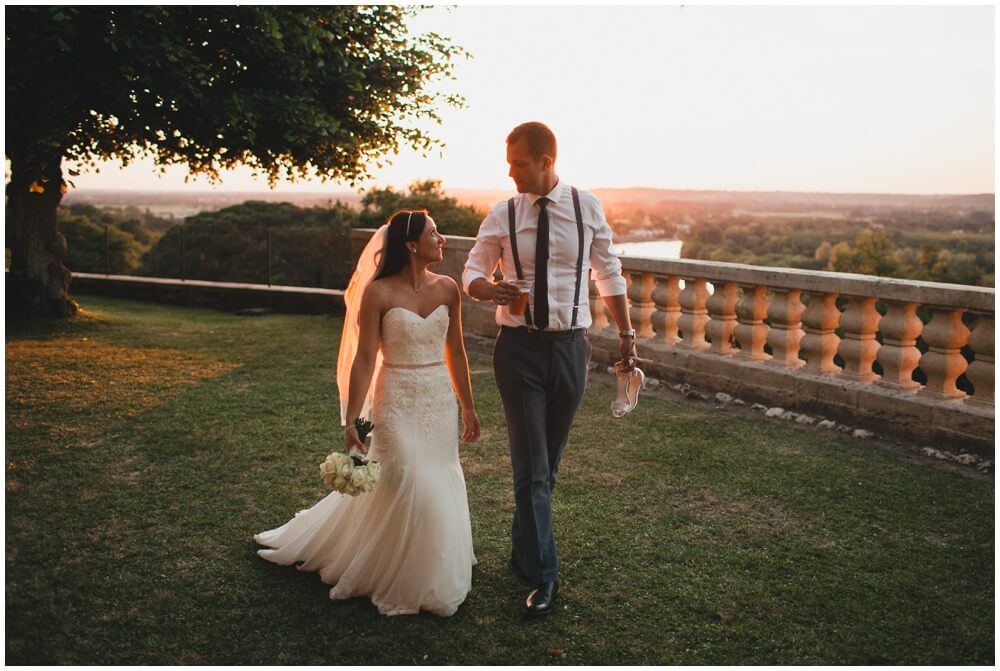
408, 225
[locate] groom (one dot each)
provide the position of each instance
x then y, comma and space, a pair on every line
552, 235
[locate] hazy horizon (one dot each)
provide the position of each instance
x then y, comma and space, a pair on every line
339, 188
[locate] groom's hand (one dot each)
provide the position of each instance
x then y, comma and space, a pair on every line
505, 292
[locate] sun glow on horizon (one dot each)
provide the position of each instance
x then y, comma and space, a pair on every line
836, 99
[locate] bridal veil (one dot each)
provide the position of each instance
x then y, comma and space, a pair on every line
369, 263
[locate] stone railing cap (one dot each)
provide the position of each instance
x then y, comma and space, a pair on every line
939, 294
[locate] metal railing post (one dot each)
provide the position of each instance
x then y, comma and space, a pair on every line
182, 253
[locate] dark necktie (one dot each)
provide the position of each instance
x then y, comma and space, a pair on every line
542, 267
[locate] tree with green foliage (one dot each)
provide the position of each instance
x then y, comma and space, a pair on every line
88, 251
873, 254
450, 216
289, 91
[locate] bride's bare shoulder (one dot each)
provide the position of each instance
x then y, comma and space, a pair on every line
444, 284
443, 281
376, 293
447, 291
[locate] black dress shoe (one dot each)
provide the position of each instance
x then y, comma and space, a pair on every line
539, 602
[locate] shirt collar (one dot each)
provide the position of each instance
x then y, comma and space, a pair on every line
554, 195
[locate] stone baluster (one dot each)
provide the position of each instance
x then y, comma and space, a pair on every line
819, 344
641, 306
858, 346
785, 314
751, 331
722, 318
694, 315
597, 309
943, 363
980, 371
899, 355
666, 300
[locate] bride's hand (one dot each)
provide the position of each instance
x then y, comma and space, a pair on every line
351, 440
472, 428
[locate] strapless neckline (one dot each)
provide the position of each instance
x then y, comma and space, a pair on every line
416, 314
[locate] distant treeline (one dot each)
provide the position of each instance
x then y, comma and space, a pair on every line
309, 246
933, 246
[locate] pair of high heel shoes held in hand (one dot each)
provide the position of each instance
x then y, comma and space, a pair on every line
630, 380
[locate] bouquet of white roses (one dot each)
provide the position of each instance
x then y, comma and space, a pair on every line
349, 473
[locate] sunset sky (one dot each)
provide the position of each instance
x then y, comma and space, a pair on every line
842, 99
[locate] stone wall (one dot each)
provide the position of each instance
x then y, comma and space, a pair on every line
229, 296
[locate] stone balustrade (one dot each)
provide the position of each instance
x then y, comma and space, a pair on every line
833, 344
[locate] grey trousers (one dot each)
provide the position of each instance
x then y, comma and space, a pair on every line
541, 378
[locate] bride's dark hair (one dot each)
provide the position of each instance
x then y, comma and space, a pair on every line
404, 226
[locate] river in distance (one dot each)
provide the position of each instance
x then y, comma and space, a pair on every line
651, 249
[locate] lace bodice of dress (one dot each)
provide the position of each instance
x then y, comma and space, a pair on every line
409, 339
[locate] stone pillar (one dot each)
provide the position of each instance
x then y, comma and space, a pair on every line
785, 313
694, 314
899, 355
980, 371
819, 344
943, 363
597, 309
666, 301
722, 313
858, 346
751, 331
640, 296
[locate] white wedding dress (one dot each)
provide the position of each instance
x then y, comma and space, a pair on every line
407, 544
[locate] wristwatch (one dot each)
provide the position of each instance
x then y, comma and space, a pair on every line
627, 334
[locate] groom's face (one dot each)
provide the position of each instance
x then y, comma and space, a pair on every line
528, 172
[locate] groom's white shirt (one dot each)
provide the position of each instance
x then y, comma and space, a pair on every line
492, 247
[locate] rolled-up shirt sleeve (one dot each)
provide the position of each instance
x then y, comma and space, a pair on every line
485, 253
605, 266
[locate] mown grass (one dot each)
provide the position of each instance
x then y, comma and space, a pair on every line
146, 444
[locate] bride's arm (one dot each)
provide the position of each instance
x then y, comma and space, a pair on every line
369, 328
458, 366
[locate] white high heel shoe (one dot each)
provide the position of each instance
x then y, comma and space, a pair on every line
629, 384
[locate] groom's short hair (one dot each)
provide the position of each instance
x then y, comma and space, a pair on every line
539, 138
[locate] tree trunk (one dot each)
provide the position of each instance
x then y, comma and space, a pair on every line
38, 281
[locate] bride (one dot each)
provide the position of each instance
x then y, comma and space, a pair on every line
408, 544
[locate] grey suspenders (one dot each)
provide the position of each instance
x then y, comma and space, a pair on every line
512, 220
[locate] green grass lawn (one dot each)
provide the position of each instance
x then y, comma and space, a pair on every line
145, 445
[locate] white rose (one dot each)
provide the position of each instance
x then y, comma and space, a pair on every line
346, 468
358, 478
